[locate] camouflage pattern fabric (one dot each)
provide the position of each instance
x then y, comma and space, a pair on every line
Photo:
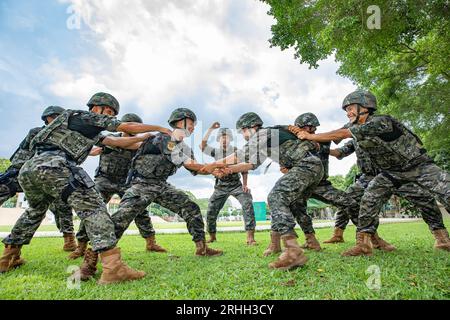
143, 192
307, 119
104, 99
43, 179
249, 120
180, 114
361, 97
63, 216
217, 201
158, 158
107, 190
224, 188
46, 176
24, 153
306, 171
400, 159
415, 186
326, 193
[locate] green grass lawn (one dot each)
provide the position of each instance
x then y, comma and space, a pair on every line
159, 226
415, 271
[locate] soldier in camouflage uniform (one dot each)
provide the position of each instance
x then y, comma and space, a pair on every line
110, 179
420, 198
9, 185
324, 192
305, 171
228, 186
399, 157
53, 173
158, 158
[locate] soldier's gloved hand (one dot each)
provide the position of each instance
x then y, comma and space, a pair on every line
284, 170
215, 125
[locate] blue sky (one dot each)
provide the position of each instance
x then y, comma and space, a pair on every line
211, 56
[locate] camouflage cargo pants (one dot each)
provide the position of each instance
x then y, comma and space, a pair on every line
420, 198
143, 192
43, 179
328, 194
218, 199
63, 213
107, 190
63, 216
425, 181
293, 188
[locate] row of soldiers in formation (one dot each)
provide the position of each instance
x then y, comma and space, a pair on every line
136, 164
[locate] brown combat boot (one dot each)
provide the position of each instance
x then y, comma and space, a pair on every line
442, 239
338, 236
380, 244
212, 237
89, 266
311, 242
363, 246
275, 244
203, 250
11, 258
69, 242
292, 255
251, 238
79, 251
153, 246
115, 270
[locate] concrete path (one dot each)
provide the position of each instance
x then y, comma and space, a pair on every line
318, 225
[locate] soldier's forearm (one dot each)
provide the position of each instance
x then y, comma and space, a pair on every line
330, 136
231, 159
204, 142
135, 128
241, 167
121, 142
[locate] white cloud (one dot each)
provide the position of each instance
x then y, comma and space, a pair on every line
156, 55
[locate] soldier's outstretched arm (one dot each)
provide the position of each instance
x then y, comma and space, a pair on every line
339, 134
204, 142
125, 142
203, 169
135, 128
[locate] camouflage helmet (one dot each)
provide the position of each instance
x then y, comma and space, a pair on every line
181, 114
131, 117
104, 99
249, 120
225, 132
307, 119
49, 111
365, 99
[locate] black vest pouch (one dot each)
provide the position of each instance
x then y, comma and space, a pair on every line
396, 182
6, 177
78, 179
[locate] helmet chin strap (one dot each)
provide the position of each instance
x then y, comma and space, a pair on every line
359, 114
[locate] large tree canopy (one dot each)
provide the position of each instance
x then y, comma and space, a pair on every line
406, 62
